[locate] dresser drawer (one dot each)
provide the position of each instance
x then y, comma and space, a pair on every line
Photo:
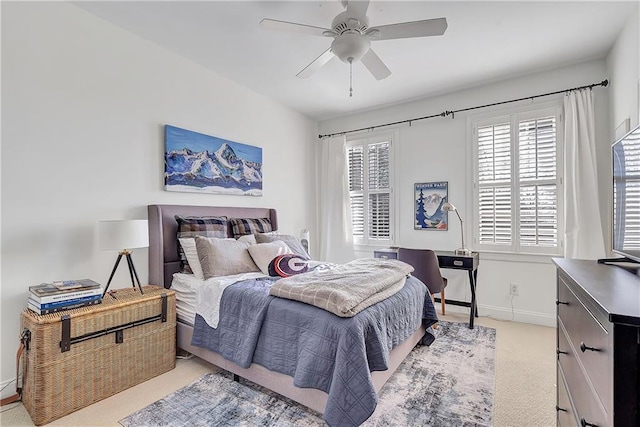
586, 403
566, 413
592, 343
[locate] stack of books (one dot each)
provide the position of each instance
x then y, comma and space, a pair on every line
49, 298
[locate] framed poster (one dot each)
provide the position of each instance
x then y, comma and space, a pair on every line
429, 198
198, 163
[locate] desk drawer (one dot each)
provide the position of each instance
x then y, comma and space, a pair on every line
458, 261
584, 330
385, 254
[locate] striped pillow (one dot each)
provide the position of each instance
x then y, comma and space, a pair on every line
242, 226
287, 265
191, 226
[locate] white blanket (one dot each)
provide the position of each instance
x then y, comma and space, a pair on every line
209, 295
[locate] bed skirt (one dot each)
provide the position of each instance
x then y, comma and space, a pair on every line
283, 384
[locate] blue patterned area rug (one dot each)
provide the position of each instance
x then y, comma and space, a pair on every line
450, 383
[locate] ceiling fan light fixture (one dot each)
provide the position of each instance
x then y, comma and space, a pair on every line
352, 37
350, 47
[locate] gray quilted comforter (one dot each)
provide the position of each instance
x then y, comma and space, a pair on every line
317, 348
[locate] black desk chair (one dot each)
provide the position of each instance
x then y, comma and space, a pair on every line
427, 269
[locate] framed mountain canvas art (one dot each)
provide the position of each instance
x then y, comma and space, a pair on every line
199, 163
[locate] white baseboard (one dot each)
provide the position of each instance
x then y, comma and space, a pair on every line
503, 313
8, 390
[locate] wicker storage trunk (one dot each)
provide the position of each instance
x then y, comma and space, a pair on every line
78, 357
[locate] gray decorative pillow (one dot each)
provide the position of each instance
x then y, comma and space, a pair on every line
222, 257
291, 241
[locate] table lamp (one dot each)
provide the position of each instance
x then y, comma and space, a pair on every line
462, 250
123, 235
304, 239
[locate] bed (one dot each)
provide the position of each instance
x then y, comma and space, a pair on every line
164, 262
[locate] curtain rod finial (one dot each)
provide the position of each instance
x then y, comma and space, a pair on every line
605, 82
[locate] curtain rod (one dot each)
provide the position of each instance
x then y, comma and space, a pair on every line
603, 83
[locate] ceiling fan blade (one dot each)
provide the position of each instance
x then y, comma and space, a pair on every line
375, 65
357, 8
272, 24
325, 57
403, 30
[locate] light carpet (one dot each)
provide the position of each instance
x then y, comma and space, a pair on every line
449, 383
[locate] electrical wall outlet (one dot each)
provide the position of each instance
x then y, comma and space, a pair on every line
514, 289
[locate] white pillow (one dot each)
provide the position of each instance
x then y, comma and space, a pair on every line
189, 247
223, 257
264, 253
249, 238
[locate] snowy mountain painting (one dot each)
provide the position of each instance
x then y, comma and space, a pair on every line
200, 163
429, 198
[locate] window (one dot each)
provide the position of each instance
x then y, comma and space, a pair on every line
518, 191
370, 172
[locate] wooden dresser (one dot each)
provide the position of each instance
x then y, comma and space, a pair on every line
598, 344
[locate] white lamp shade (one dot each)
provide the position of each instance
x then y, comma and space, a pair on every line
123, 234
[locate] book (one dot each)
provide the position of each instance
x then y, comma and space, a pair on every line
37, 310
64, 303
75, 284
64, 296
45, 289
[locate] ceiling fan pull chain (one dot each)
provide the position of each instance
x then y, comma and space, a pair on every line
350, 78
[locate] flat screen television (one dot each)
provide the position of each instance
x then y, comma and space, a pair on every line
626, 195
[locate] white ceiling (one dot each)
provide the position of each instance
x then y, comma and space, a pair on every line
485, 41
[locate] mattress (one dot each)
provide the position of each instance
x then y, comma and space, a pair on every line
184, 285
190, 291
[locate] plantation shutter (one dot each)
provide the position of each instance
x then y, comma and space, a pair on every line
370, 171
379, 186
494, 185
631, 183
537, 178
518, 189
356, 187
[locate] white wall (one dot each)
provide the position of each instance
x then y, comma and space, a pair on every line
83, 109
436, 150
623, 67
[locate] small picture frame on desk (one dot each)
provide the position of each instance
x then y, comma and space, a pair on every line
429, 198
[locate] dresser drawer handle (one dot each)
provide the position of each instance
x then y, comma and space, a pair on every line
458, 263
558, 302
560, 409
584, 347
558, 351
585, 423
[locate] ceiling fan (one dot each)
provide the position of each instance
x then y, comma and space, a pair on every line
352, 37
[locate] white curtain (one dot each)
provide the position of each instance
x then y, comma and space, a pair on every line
583, 226
336, 240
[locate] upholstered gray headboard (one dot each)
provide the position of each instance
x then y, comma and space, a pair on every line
163, 229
